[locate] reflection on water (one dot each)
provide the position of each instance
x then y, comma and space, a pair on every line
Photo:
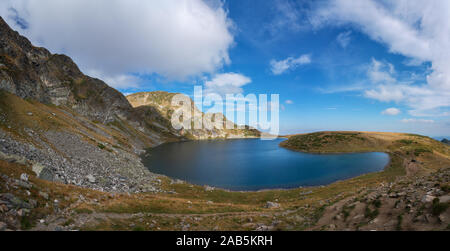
253, 164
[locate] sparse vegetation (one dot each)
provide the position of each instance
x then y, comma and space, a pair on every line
371, 214
346, 210
399, 222
377, 203
438, 207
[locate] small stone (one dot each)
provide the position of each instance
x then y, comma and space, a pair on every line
359, 216
37, 169
24, 177
270, 204
23, 212
209, 188
43, 195
29, 113
444, 199
42, 221
90, 178
3, 226
428, 198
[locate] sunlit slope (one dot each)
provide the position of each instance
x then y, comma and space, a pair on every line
413, 149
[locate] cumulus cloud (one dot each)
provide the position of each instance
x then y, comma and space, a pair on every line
344, 39
173, 38
417, 121
226, 83
290, 63
423, 100
391, 111
415, 29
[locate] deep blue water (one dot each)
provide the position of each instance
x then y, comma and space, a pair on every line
254, 164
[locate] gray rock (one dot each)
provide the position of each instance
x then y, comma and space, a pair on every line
90, 178
24, 184
427, 198
263, 228
24, 177
44, 195
15, 202
444, 199
209, 188
3, 226
270, 204
37, 169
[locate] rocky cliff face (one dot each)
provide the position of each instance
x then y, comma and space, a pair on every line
70, 127
162, 102
35, 73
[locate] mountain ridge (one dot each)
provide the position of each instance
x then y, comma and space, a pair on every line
75, 128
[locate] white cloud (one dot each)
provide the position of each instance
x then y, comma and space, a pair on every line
174, 38
391, 111
413, 62
279, 67
344, 38
289, 102
386, 93
116, 81
286, 16
226, 83
415, 29
380, 72
417, 121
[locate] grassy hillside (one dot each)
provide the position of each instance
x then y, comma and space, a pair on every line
387, 200
409, 148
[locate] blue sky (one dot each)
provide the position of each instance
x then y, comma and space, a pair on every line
337, 65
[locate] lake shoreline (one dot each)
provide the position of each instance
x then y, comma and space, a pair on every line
286, 187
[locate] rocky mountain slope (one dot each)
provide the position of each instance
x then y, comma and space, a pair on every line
162, 102
73, 128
